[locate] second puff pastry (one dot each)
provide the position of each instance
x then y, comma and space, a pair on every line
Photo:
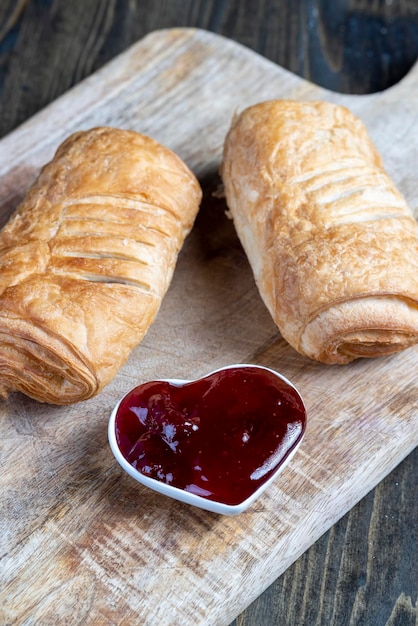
86, 260
331, 241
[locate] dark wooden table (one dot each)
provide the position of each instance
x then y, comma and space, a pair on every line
364, 571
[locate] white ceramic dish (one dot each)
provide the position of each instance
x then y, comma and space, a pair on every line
180, 494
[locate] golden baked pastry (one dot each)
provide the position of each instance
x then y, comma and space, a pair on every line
331, 241
86, 260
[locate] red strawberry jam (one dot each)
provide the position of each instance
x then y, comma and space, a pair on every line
220, 437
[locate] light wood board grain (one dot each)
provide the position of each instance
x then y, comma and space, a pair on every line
82, 543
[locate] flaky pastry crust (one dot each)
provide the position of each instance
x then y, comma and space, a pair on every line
86, 260
331, 241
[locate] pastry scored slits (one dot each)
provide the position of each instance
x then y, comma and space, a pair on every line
113, 240
356, 193
86, 260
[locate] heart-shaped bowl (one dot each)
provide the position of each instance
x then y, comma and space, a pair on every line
216, 442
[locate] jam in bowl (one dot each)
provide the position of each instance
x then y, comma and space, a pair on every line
216, 442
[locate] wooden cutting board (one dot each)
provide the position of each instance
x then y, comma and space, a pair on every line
82, 543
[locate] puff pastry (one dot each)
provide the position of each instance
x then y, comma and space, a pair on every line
86, 260
331, 241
